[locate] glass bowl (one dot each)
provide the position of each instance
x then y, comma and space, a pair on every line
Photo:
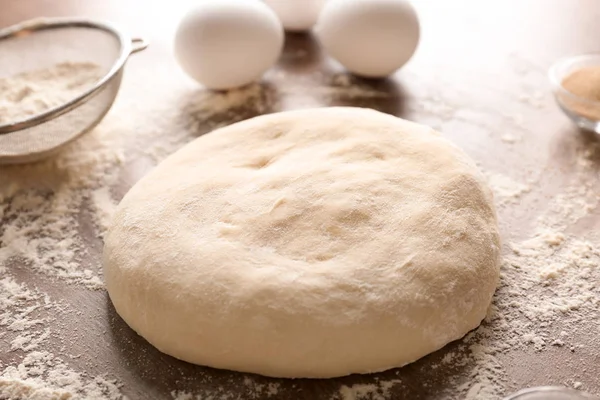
584, 112
550, 393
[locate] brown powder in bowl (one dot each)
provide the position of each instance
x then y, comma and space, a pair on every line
583, 83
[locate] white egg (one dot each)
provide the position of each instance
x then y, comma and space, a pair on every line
297, 15
225, 44
371, 38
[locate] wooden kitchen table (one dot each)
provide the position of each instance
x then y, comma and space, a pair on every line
479, 75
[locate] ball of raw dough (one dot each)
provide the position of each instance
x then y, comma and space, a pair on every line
225, 44
296, 16
371, 38
313, 243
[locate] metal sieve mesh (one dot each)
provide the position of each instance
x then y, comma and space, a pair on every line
42, 44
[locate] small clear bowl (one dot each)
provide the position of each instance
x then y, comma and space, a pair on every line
584, 112
550, 393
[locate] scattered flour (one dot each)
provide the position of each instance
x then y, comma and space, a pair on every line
221, 108
208, 105
38, 237
42, 376
437, 106
104, 207
509, 138
536, 99
40, 213
547, 280
380, 390
22, 328
506, 189
41, 202
340, 86
252, 390
261, 390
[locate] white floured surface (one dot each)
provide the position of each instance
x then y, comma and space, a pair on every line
42, 376
506, 189
42, 206
40, 209
554, 249
376, 391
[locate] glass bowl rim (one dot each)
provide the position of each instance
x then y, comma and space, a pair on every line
550, 389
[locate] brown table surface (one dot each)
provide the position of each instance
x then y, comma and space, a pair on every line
476, 63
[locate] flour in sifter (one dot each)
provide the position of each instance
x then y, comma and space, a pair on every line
27, 94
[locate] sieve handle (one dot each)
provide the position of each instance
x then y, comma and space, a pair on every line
138, 44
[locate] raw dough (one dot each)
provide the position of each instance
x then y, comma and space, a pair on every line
312, 243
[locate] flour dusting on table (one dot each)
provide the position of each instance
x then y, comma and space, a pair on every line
42, 376
40, 214
548, 294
